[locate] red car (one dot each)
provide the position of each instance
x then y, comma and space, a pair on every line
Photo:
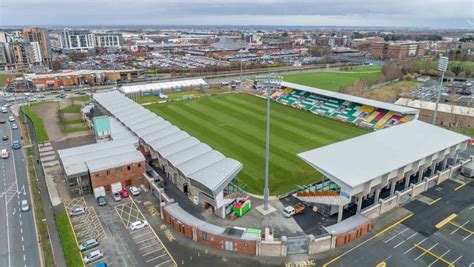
124, 193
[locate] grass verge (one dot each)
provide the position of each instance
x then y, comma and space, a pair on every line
41, 225
40, 130
69, 122
68, 241
73, 108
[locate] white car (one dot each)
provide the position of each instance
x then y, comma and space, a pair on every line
134, 190
78, 211
93, 256
4, 153
14, 126
138, 225
10, 118
24, 205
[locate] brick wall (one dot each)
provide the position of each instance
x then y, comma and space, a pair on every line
127, 177
212, 240
345, 238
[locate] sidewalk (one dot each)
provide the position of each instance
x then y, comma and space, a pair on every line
49, 210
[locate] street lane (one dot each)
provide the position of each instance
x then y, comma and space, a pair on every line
20, 245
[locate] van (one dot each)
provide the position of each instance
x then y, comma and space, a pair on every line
4, 153
4, 110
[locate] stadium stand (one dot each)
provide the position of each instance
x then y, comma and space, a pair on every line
363, 112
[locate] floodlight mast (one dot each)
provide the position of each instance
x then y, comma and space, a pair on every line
268, 82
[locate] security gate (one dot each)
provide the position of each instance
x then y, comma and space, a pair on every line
297, 245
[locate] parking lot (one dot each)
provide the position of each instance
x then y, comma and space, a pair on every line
149, 245
440, 233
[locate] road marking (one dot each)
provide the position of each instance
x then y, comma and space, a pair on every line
399, 244
445, 221
412, 236
464, 239
444, 254
144, 240
459, 187
147, 246
156, 258
23, 247
461, 227
153, 251
159, 264
434, 254
393, 225
414, 246
456, 260
21, 229
455, 230
137, 236
424, 250
399, 233
434, 201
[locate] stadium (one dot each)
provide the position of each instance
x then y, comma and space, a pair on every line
213, 147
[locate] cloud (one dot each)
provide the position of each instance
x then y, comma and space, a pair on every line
435, 13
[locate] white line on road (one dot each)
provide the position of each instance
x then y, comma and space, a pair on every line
437, 259
464, 239
153, 251
156, 258
455, 230
456, 260
411, 236
21, 229
396, 246
22, 240
145, 240
414, 246
424, 252
399, 233
147, 246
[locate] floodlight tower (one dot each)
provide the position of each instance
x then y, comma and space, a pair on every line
442, 66
268, 82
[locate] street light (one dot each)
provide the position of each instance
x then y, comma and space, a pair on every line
442, 66
268, 82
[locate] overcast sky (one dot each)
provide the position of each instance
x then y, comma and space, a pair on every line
411, 13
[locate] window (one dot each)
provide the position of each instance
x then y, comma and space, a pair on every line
246, 244
129, 168
97, 175
139, 165
108, 172
118, 170
204, 236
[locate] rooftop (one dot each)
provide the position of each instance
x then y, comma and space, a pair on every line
354, 99
359, 160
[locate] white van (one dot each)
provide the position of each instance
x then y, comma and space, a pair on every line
4, 110
4, 153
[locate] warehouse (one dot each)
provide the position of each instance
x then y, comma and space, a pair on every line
387, 160
199, 171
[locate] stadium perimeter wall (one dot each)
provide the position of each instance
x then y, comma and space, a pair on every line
279, 247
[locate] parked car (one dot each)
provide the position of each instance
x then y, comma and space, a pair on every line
101, 264
24, 205
14, 126
16, 144
101, 201
116, 197
77, 211
134, 190
10, 118
93, 256
2, 119
138, 225
124, 193
5, 138
91, 243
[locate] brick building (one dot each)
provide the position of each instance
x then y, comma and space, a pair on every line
101, 164
397, 50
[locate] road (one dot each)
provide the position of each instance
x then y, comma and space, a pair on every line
18, 245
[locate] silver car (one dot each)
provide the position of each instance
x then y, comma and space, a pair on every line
24, 205
93, 256
77, 211
91, 243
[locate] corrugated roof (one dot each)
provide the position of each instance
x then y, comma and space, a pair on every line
443, 107
358, 160
163, 137
354, 99
161, 86
183, 216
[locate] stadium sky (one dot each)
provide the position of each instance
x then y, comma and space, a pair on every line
405, 13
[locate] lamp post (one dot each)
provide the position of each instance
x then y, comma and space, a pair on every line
442, 66
268, 82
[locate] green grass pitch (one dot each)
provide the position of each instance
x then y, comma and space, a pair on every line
332, 81
234, 124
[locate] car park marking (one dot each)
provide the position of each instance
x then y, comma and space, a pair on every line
442, 255
428, 251
393, 225
434, 201
457, 228
156, 257
445, 221
147, 246
391, 238
419, 243
462, 227
459, 187
151, 252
